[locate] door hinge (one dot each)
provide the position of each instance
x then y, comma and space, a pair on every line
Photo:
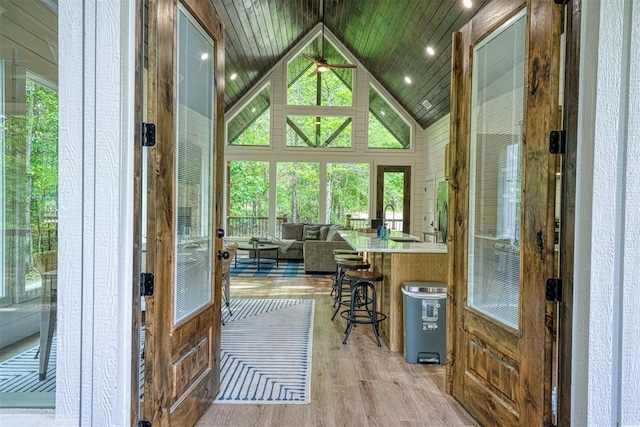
147, 134
147, 284
553, 290
144, 423
557, 141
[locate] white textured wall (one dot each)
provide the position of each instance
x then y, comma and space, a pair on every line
606, 370
96, 211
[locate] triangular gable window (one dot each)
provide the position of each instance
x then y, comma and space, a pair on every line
387, 129
252, 124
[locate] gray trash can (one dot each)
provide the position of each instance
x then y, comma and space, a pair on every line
424, 314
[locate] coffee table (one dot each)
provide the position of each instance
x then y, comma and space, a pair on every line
257, 249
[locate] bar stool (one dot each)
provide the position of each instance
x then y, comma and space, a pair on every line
363, 308
342, 257
345, 266
345, 251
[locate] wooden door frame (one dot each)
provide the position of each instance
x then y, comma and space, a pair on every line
568, 209
406, 206
537, 249
161, 213
136, 305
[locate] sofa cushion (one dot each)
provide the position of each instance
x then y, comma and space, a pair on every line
292, 230
311, 235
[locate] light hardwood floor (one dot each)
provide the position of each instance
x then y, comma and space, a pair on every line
357, 384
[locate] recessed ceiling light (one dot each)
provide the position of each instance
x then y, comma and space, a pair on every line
233, 76
204, 56
253, 110
467, 3
407, 80
430, 51
382, 112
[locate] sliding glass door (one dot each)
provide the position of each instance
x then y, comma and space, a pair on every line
29, 203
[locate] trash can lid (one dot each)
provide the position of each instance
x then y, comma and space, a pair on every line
424, 288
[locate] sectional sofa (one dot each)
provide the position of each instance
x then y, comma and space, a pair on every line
312, 243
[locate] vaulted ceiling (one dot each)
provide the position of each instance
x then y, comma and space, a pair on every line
389, 37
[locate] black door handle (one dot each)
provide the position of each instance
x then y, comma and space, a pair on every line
222, 254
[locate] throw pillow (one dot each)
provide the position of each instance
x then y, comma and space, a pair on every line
324, 231
311, 235
308, 227
333, 230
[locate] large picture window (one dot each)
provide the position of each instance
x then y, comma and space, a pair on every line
320, 132
297, 185
333, 88
248, 198
323, 126
348, 193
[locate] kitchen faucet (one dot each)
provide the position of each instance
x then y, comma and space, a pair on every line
393, 215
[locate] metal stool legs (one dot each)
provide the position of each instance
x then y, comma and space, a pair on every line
363, 310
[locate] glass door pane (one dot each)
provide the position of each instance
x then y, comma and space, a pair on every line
497, 113
393, 200
28, 203
194, 168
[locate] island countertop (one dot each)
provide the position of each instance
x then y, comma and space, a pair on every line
368, 242
399, 262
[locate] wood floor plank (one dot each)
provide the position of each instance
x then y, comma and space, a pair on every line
357, 384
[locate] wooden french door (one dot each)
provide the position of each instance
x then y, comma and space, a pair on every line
505, 79
184, 64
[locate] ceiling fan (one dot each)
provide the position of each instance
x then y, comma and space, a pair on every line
321, 63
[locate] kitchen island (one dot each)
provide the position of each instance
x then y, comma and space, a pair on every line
400, 259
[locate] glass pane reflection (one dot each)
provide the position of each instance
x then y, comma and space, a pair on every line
194, 167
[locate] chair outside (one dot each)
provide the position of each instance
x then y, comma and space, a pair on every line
226, 275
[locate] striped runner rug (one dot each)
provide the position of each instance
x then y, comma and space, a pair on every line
266, 351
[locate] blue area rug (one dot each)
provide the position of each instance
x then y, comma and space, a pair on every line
284, 269
266, 351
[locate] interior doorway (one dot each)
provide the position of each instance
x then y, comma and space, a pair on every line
393, 197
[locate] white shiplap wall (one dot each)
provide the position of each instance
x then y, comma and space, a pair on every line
436, 138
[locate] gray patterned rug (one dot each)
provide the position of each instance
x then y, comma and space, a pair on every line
266, 351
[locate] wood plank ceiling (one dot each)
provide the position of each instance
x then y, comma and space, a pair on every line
389, 37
